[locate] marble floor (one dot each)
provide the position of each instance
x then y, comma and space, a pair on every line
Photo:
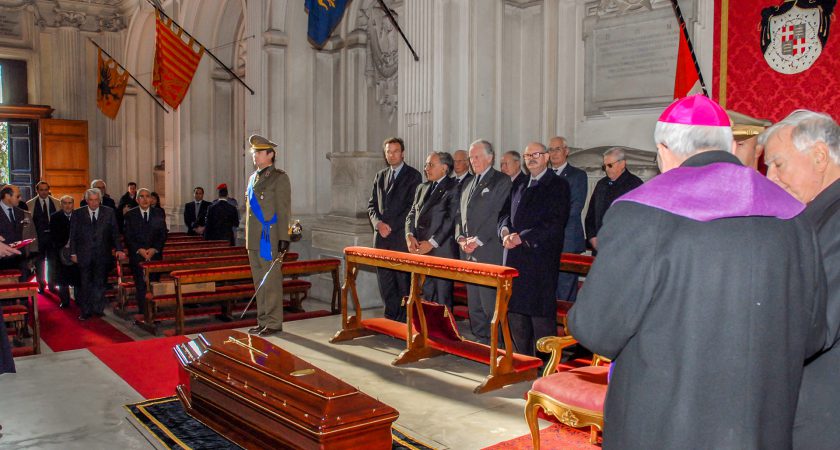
71, 400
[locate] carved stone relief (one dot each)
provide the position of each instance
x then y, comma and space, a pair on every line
382, 55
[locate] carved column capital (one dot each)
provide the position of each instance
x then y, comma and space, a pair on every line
67, 18
113, 23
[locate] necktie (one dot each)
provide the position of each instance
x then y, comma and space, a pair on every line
390, 180
93, 219
11, 213
45, 209
146, 216
477, 180
533, 182
430, 191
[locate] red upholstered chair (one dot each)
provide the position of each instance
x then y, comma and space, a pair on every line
574, 397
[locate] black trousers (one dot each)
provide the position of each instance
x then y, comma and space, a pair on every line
7, 364
481, 301
527, 330
93, 277
567, 286
439, 290
64, 276
393, 286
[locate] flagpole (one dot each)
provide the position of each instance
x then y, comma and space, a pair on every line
397, 26
684, 30
218, 61
129, 74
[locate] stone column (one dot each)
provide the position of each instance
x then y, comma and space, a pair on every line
68, 94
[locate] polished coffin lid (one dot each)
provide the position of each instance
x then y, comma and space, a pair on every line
266, 377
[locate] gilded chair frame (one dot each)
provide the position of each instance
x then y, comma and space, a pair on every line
570, 415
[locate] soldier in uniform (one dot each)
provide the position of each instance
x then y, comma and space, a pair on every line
269, 201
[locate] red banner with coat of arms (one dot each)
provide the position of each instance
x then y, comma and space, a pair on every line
775, 56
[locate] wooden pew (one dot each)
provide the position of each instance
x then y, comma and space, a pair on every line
573, 263
293, 269
21, 315
505, 367
9, 276
195, 244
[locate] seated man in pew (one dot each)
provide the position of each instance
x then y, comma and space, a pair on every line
145, 234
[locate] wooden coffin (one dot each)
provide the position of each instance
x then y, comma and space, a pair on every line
260, 396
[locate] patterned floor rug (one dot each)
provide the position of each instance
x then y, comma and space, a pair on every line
166, 421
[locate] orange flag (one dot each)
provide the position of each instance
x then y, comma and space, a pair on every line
175, 62
110, 87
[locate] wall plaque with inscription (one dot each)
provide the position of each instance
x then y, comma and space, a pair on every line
630, 57
10, 24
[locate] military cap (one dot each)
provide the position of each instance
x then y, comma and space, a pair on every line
221, 186
260, 143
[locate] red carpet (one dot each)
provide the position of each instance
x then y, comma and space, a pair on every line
61, 329
553, 437
149, 366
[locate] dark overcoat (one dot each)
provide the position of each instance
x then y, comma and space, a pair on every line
817, 423
709, 324
539, 214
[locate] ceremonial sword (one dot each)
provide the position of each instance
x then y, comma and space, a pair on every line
279, 259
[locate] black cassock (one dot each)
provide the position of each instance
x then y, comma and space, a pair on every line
817, 423
708, 321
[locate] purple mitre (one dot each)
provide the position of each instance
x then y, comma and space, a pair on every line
715, 191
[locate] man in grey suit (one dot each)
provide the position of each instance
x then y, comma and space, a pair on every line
476, 230
573, 241
430, 224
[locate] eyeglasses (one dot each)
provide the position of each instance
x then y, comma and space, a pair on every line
610, 165
534, 155
430, 164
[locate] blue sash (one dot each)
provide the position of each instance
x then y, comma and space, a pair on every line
265, 235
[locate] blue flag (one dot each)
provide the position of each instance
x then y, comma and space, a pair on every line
324, 16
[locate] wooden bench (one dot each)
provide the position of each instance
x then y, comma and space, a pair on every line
194, 245
293, 287
22, 315
429, 338
9, 276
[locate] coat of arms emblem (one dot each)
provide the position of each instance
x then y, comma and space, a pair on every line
794, 33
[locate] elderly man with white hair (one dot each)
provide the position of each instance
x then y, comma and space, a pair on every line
802, 153
708, 294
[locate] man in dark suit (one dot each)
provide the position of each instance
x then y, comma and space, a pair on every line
618, 182
65, 275
531, 226
42, 206
93, 234
430, 225
461, 169
573, 240
195, 213
477, 233
390, 201
511, 165
106, 199
145, 234
802, 153
222, 218
15, 225
127, 201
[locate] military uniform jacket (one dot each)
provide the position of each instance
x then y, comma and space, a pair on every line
273, 192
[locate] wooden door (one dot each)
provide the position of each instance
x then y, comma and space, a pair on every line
23, 155
64, 156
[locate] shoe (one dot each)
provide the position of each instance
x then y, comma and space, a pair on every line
64, 305
99, 314
256, 330
84, 317
268, 332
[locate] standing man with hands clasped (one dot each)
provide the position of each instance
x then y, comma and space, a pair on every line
390, 201
268, 212
145, 234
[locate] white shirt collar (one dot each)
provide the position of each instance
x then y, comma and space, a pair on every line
561, 168
540, 175
397, 169
142, 211
92, 211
